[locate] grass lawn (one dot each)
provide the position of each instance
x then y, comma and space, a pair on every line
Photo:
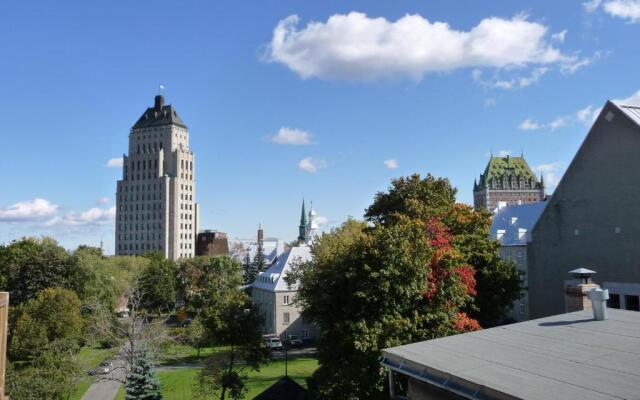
89, 358
178, 384
176, 353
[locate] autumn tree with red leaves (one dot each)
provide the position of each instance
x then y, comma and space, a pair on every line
413, 272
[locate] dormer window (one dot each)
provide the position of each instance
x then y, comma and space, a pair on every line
522, 233
500, 233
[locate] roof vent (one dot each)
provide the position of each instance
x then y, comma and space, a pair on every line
599, 299
582, 274
609, 116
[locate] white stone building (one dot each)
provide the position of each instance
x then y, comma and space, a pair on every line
155, 199
275, 297
511, 226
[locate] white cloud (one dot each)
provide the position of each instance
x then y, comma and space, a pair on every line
391, 163
103, 200
91, 216
490, 102
311, 165
504, 153
591, 5
558, 123
320, 220
515, 82
589, 114
550, 172
572, 67
29, 210
586, 115
633, 100
291, 136
44, 213
560, 36
115, 162
528, 125
625, 9
356, 47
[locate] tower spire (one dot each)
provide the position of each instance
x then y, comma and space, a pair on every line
302, 228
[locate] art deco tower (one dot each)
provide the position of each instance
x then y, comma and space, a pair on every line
155, 200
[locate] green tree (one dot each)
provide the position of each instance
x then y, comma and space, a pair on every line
158, 284
498, 282
259, 260
141, 382
250, 271
54, 315
53, 375
231, 319
31, 265
372, 287
98, 284
196, 335
198, 276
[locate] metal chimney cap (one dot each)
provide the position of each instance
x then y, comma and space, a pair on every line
583, 274
582, 271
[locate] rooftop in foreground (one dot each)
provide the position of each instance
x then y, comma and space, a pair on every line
566, 356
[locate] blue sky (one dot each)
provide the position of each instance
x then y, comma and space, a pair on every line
359, 91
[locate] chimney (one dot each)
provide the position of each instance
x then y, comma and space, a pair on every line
260, 234
159, 102
576, 293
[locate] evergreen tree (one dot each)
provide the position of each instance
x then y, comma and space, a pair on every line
141, 381
249, 272
259, 260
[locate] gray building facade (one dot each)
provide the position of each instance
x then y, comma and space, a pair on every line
592, 220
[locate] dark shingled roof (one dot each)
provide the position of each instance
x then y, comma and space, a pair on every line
285, 389
159, 115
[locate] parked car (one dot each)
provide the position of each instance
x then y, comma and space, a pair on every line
186, 322
273, 343
295, 340
105, 367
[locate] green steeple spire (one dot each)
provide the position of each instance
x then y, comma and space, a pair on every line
302, 229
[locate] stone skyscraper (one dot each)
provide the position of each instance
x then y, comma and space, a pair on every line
155, 200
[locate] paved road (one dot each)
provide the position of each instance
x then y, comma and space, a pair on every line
294, 352
106, 389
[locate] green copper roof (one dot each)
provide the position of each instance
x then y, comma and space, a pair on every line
500, 166
302, 229
303, 217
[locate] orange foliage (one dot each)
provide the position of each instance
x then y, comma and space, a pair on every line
463, 323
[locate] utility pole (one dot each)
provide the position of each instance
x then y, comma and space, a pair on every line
286, 357
4, 309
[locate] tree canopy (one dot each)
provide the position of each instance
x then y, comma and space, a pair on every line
414, 271
229, 318
498, 281
53, 315
31, 265
157, 284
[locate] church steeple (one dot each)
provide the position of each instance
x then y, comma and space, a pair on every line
302, 228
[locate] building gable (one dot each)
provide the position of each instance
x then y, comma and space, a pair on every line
593, 217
